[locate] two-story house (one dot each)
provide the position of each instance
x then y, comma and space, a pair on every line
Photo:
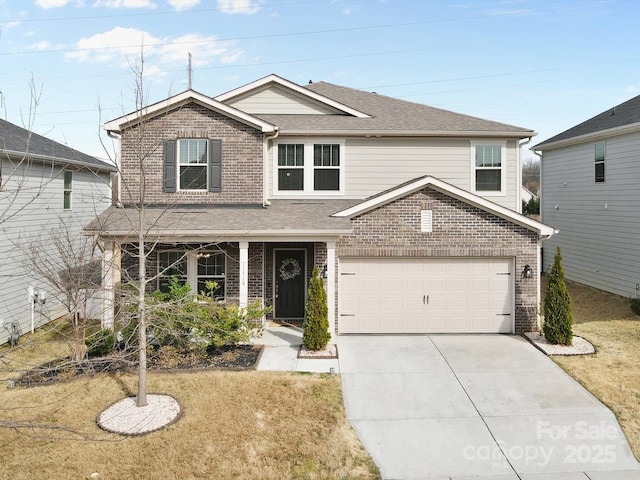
590, 175
409, 211
47, 190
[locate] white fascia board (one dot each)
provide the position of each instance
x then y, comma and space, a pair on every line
291, 86
292, 235
181, 99
406, 133
593, 136
448, 189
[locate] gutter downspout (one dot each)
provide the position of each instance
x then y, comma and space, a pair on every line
116, 200
519, 175
265, 170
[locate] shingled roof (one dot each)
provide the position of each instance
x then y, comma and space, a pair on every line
627, 113
388, 116
15, 140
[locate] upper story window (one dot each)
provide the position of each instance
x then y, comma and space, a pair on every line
193, 160
192, 164
488, 168
326, 167
295, 172
600, 154
67, 189
291, 167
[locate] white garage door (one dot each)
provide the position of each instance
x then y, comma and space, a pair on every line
418, 295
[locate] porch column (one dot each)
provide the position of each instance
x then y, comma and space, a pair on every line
108, 290
331, 286
244, 274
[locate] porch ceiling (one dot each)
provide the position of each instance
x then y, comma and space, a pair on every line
295, 219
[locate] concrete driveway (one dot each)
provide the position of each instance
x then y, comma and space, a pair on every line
476, 406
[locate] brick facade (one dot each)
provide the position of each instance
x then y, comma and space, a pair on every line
459, 230
242, 157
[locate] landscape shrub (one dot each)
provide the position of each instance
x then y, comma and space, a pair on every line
558, 317
316, 334
101, 343
634, 303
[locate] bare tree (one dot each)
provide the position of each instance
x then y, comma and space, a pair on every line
531, 174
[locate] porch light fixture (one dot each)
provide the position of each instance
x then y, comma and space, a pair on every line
527, 272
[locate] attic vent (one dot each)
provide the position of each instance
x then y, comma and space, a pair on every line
426, 221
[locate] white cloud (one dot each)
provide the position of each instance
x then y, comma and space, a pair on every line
44, 45
116, 43
124, 4
248, 7
123, 45
180, 5
46, 4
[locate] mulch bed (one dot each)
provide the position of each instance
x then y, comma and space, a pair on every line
238, 357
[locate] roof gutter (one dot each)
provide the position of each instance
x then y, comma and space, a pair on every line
54, 160
410, 133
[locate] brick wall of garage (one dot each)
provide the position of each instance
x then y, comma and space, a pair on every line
459, 230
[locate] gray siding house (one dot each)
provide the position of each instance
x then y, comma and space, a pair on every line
411, 212
590, 176
46, 189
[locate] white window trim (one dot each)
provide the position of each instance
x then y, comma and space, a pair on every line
192, 267
603, 162
66, 190
308, 168
180, 165
503, 168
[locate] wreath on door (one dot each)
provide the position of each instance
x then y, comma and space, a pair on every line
289, 269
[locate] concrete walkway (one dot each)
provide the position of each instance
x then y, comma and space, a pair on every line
476, 406
281, 347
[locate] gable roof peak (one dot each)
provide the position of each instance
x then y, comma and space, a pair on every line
625, 114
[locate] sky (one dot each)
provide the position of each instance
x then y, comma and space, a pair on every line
66, 66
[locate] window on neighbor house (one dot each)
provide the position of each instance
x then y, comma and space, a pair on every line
171, 264
211, 268
192, 164
600, 154
488, 168
291, 167
67, 189
326, 167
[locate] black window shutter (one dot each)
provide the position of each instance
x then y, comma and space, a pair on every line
215, 165
169, 169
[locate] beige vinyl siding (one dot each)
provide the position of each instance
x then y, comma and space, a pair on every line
599, 223
28, 219
377, 164
274, 100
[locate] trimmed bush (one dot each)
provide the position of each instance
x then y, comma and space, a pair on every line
316, 334
101, 343
558, 318
634, 303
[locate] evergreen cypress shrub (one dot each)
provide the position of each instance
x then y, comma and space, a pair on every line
558, 318
316, 334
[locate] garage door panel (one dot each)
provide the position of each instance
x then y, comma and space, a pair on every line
389, 295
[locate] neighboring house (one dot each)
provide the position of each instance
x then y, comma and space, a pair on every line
590, 176
409, 211
46, 189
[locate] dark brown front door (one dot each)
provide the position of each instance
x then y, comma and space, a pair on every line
290, 283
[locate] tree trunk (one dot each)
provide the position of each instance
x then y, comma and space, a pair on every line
141, 398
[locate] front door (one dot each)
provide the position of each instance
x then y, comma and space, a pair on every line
290, 282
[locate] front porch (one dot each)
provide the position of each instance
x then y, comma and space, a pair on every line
273, 273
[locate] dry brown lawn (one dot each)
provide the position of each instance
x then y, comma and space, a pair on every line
612, 374
234, 425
